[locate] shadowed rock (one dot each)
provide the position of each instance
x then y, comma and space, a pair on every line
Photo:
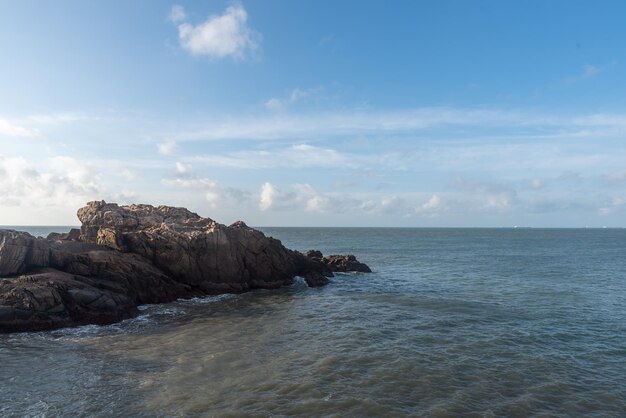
316, 279
125, 256
345, 263
20, 251
338, 263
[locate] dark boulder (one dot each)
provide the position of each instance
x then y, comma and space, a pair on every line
314, 254
315, 279
337, 263
345, 263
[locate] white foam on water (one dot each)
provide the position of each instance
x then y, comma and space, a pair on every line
299, 281
201, 300
37, 409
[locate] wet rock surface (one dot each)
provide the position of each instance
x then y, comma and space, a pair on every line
125, 256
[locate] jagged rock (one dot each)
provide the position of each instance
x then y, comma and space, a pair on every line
345, 263
73, 235
315, 279
125, 256
193, 250
338, 263
314, 254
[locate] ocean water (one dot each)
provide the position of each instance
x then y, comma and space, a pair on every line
453, 322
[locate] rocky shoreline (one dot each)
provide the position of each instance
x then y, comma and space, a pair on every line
126, 256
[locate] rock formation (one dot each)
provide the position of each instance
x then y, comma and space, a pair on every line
339, 263
125, 256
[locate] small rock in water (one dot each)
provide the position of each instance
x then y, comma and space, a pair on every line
315, 279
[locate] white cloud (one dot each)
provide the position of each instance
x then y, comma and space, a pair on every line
415, 152
588, 71
487, 122
479, 199
192, 183
274, 104
616, 203
384, 206
64, 182
182, 168
483, 201
177, 14
311, 199
432, 207
500, 201
211, 189
536, 184
166, 148
591, 70
60, 118
128, 173
486, 195
226, 35
617, 176
10, 129
303, 197
125, 197
214, 193
269, 193
295, 96
298, 155
80, 175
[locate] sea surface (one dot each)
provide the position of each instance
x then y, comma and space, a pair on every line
453, 322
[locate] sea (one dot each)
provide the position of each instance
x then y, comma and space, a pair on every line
451, 323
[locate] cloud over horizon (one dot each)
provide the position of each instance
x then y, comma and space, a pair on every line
494, 166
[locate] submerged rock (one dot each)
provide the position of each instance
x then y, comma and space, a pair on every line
125, 256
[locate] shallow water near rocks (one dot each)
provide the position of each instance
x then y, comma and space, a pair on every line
478, 322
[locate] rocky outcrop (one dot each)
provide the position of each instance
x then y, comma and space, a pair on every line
125, 256
192, 250
338, 263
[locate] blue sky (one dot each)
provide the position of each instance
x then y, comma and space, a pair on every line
321, 113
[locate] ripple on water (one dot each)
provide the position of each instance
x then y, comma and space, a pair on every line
452, 323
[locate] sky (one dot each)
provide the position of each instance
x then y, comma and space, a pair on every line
316, 113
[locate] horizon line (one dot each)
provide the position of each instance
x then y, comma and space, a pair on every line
364, 227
